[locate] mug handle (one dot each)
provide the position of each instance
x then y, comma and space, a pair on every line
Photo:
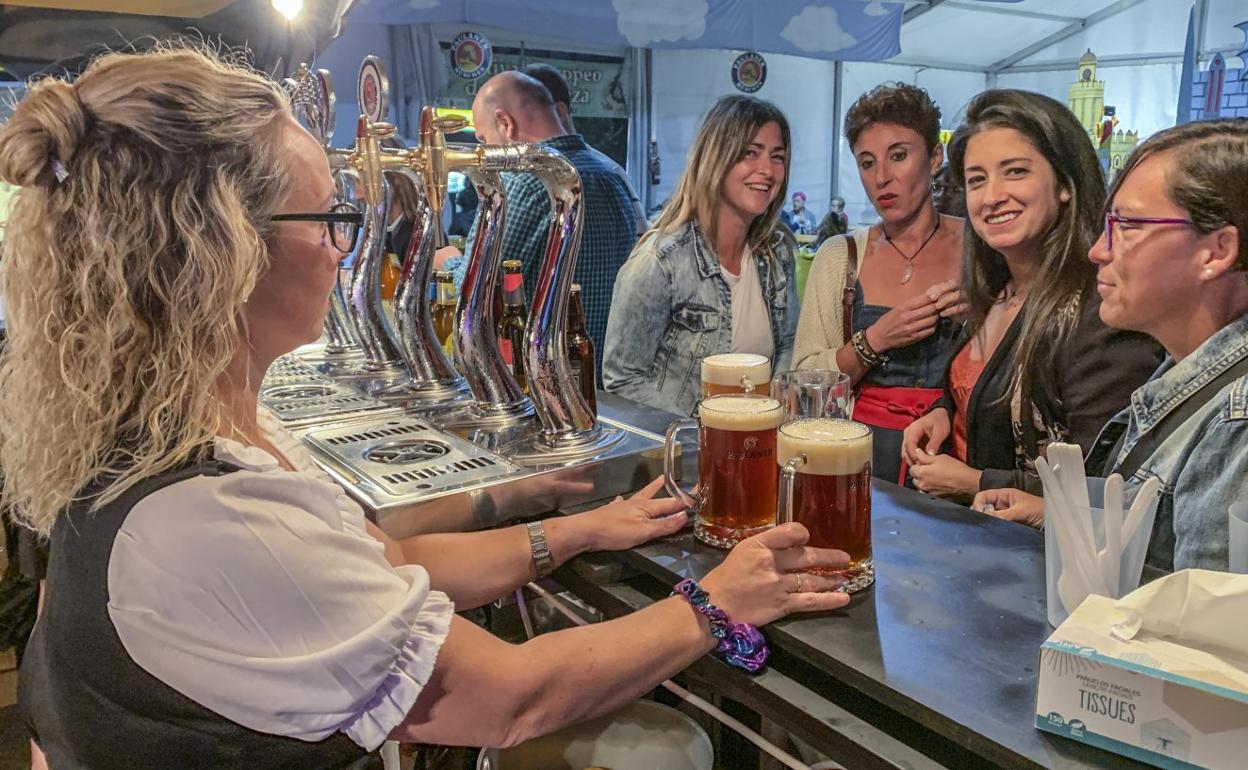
784, 500
669, 461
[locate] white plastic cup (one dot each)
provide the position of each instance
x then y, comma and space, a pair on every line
1133, 552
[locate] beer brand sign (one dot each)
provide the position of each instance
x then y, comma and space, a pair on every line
374, 90
595, 83
749, 72
471, 55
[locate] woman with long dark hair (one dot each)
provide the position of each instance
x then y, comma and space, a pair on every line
1036, 364
1173, 263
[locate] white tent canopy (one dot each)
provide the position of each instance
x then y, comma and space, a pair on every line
953, 48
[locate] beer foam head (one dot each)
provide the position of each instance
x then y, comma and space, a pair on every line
729, 368
832, 447
740, 413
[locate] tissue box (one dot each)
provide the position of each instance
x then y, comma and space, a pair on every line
1150, 699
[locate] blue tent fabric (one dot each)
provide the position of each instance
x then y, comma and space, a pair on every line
843, 30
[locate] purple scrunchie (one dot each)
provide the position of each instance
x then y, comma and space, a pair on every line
741, 644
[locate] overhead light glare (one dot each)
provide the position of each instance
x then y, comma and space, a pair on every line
288, 8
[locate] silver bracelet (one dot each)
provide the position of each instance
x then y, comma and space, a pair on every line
541, 551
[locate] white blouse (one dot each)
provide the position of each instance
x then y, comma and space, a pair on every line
260, 595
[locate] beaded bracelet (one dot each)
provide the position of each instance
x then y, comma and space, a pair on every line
741, 644
863, 350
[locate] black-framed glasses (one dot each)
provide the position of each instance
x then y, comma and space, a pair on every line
1113, 220
343, 220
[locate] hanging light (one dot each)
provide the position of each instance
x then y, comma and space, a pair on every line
288, 8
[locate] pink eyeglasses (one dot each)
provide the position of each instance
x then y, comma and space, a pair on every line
1113, 220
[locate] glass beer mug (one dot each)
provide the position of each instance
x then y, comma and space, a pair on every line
812, 393
736, 492
734, 373
825, 483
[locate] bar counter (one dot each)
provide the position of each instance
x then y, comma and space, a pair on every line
935, 665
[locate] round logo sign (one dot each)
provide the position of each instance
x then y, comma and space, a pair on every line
749, 72
471, 55
374, 90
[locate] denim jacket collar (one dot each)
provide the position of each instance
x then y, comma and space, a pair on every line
773, 281
708, 262
1174, 382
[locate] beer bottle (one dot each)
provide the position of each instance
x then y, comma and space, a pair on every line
443, 312
511, 323
581, 349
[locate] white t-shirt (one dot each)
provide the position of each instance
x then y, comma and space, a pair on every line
751, 323
260, 595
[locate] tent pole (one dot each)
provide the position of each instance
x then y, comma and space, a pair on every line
838, 83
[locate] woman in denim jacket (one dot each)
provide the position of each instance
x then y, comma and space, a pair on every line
1173, 263
713, 275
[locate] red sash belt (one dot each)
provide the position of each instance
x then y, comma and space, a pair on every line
893, 408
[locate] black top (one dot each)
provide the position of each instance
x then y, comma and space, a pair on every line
1094, 374
89, 705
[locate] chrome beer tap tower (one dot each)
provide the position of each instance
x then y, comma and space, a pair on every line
426, 444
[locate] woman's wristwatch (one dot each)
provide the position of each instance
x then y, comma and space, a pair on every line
541, 551
866, 354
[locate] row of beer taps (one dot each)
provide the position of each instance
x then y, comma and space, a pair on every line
478, 390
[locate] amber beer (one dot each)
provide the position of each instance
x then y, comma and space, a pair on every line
735, 373
736, 467
827, 464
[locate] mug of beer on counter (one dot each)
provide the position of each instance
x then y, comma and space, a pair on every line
825, 483
735, 373
736, 492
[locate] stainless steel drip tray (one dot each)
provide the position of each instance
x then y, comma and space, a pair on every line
289, 370
402, 457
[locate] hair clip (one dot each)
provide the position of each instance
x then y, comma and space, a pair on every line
59, 171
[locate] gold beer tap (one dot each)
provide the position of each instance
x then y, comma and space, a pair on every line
499, 399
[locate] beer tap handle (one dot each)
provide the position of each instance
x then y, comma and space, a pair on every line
369, 157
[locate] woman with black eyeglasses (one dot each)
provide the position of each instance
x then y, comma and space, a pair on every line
213, 599
1173, 263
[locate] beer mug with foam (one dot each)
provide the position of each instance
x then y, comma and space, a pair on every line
825, 483
812, 393
736, 492
734, 373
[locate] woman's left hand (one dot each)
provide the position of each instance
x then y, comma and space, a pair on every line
944, 476
622, 524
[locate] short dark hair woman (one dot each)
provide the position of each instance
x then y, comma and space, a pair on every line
901, 327
1037, 364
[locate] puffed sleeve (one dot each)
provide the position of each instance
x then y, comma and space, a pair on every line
260, 596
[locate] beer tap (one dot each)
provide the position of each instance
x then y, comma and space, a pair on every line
499, 400
567, 423
372, 327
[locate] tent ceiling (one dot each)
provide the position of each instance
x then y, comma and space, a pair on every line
1002, 37
965, 34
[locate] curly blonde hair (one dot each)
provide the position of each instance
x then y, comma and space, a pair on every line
138, 233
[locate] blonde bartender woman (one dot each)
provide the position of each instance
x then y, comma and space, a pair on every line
880, 302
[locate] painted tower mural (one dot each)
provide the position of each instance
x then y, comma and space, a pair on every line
1086, 98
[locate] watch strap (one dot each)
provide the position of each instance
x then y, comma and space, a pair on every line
541, 550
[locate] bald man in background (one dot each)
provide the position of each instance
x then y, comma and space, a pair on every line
513, 107
552, 78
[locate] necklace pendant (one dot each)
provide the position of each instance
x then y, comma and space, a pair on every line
907, 274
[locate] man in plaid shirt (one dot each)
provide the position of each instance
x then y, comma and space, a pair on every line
513, 107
